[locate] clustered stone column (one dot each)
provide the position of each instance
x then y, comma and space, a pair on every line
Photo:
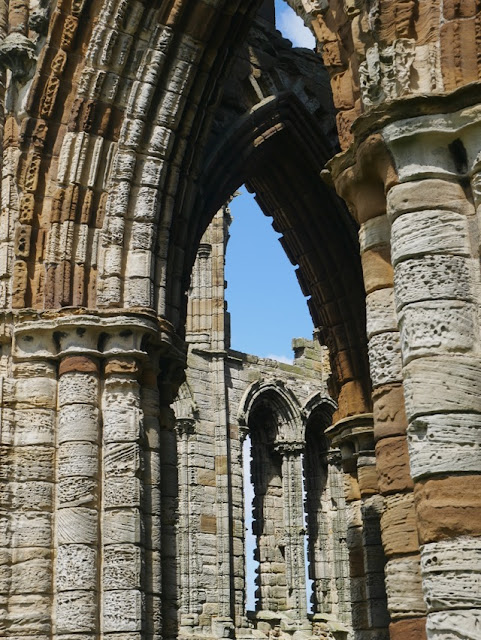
435, 253
83, 547
354, 436
399, 534
292, 480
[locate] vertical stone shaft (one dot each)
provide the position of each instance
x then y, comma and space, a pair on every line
434, 240
122, 540
77, 524
401, 546
27, 477
294, 529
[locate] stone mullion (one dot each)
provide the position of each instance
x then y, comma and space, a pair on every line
437, 284
184, 428
401, 546
294, 529
123, 541
77, 523
339, 529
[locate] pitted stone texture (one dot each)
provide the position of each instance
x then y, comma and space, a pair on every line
380, 312
385, 359
433, 278
404, 587
454, 625
429, 328
450, 574
76, 567
429, 232
444, 444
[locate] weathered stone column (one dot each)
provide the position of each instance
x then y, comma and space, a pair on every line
363, 185
355, 438
82, 470
435, 253
77, 574
399, 535
292, 475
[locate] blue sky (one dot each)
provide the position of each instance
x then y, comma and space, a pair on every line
292, 27
264, 298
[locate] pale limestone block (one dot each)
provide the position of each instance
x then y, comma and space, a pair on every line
385, 358
76, 567
451, 574
110, 289
446, 443
454, 625
36, 392
5, 574
113, 260
29, 614
124, 164
139, 264
428, 232
142, 236
432, 278
78, 422
442, 383
121, 459
139, 292
31, 529
29, 463
131, 132
404, 587
431, 327
32, 575
121, 492
76, 492
77, 525
146, 206
117, 206
78, 459
76, 611
140, 98
380, 312
374, 233
161, 141
430, 194
78, 388
152, 173
122, 526
122, 611
26, 496
121, 566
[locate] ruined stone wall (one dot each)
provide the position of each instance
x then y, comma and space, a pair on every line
230, 396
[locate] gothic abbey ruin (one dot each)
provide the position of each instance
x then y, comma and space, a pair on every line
126, 126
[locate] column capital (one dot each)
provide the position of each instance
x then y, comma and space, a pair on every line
357, 431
